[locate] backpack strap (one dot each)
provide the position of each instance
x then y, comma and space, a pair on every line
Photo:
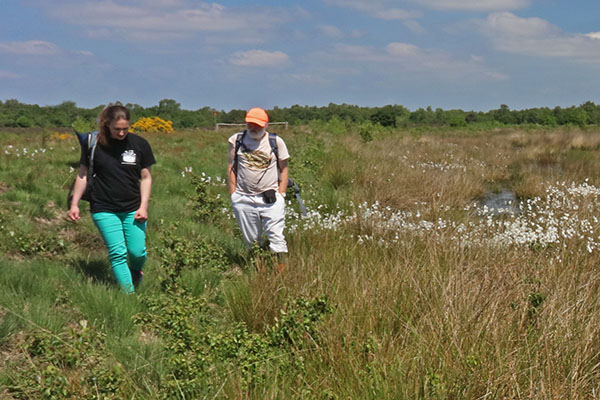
273, 143
92, 141
238, 143
275, 149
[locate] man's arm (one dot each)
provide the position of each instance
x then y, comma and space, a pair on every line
231, 178
283, 174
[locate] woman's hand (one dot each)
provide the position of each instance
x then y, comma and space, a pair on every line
78, 189
73, 213
141, 215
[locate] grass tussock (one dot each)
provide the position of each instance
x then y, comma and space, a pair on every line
402, 282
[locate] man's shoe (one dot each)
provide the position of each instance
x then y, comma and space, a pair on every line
281, 262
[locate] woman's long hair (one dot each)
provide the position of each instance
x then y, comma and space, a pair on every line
107, 116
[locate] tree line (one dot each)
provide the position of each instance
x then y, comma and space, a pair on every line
16, 114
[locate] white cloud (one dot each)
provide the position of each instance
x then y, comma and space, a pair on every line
336, 33
259, 58
593, 35
162, 3
358, 53
8, 75
387, 9
138, 20
205, 17
355, 4
414, 26
30, 48
377, 8
391, 14
306, 79
475, 5
413, 60
85, 53
402, 50
331, 31
537, 37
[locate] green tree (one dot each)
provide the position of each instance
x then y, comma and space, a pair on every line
503, 115
384, 116
593, 112
456, 118
169, 109
576, 116
24, 122
419, 116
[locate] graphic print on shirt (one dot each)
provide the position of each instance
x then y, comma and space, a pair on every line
128, 157
257, 159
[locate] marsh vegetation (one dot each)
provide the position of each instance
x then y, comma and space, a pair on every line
401, 282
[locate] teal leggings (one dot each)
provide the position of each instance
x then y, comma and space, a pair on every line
123, 236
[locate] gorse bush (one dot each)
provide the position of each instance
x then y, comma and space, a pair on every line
61, 136
152, 124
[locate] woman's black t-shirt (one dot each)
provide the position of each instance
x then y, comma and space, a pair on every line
117, 170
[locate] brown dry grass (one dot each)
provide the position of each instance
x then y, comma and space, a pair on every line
455, 170
426, 318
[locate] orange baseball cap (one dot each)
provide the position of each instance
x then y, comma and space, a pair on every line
257, 116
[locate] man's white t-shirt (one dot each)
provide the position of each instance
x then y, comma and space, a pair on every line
257, 164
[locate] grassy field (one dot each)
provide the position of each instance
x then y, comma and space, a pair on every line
403, 281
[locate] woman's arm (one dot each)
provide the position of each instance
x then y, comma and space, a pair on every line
78, 190
145, 188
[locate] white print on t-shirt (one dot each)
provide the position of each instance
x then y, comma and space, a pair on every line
128, 157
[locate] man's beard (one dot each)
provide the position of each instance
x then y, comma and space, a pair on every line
257, 134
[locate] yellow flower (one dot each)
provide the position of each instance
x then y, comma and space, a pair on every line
61, 136
152, 124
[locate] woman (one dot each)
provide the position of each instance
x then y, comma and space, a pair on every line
120, 193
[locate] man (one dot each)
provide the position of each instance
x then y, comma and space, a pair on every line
258, 180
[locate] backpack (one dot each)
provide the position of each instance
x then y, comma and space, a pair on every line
273, 143
92, 140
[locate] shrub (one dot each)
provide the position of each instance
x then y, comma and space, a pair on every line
71, 364
152, 124
207, 204
24, 122
84, 124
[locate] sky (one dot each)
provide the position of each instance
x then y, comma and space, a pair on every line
449, 54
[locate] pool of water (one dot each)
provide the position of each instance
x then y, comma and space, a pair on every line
503, 202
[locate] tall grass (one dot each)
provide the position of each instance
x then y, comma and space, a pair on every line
430, 296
